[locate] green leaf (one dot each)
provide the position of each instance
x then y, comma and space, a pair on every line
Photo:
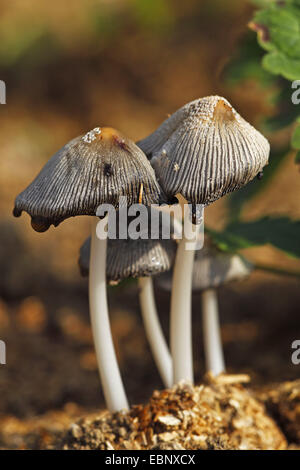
282, 232
278, 28
278, 32
227, 241
279, 64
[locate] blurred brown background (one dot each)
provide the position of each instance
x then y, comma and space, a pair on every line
70, 67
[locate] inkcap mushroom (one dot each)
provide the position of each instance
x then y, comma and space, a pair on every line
202, 151
212, 269
93, 169
142, 259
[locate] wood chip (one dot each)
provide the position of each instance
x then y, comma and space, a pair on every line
169, 420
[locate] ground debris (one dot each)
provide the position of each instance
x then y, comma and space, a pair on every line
219, 414
40, 432
283, 402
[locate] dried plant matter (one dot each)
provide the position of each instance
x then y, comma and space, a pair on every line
205, 150
96, 168
219, 414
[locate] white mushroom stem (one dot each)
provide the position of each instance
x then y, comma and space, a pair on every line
181, 310
211, 333
112, 385
154, 333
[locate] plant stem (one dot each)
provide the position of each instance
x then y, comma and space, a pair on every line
211, 332
181, 310
112, 385
154, 333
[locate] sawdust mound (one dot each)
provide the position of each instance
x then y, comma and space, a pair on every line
219, 414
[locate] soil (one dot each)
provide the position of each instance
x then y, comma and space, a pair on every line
283, 402
219, 414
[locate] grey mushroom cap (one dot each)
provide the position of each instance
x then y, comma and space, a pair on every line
96, 168
131, 258
205, 150
213, 269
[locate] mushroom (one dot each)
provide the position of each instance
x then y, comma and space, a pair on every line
96, 168
202, 151
142, 259
212, 269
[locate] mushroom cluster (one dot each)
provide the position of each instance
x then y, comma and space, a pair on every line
201, 152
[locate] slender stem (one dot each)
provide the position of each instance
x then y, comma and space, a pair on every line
154, 333
108, 367
181, 310
211, 332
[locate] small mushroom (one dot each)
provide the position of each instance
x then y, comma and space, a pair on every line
212, 269
142, 259
202, 151
205, 150
98, 167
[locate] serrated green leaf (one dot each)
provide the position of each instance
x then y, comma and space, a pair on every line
278, 32
278, 29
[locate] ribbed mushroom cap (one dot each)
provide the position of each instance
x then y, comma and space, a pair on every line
205, 150
131, 258
96, 168
212, 269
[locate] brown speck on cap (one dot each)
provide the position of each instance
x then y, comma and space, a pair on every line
96, 168
223, 111
216, 150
